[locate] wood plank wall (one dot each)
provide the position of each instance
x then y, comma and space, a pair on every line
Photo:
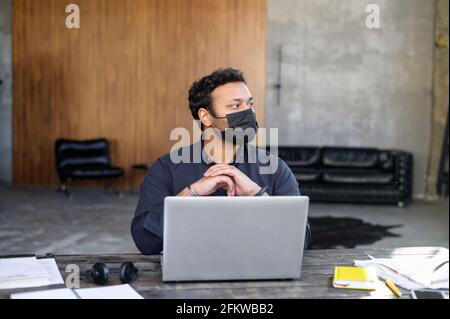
123, 75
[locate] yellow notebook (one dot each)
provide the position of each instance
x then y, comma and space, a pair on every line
364, 278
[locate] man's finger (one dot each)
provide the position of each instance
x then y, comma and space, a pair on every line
228, 186
214, 170
224, 171
214, 167
226, 181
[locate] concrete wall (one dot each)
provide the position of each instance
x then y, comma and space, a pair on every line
345, 84
5, 91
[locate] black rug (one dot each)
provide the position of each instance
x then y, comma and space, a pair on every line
343, 232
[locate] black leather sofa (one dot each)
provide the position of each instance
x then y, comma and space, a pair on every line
80, 160
347, 174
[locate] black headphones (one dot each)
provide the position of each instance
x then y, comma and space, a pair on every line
99, 273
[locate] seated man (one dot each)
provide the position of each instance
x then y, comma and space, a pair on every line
220, 101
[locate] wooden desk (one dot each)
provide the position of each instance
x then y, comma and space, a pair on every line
317, 272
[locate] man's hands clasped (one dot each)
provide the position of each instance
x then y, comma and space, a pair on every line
228, 177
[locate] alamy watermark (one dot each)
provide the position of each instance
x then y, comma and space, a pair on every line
73, 19
73, 279
373, 17
248, 138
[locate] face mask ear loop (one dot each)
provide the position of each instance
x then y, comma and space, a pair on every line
224, 117
218, 117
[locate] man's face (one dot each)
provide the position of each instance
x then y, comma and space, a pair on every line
226, 99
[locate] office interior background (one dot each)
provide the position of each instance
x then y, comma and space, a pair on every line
334, 87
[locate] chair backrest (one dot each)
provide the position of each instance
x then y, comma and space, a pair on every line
74, 153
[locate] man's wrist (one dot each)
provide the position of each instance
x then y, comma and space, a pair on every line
261, 192
191, 191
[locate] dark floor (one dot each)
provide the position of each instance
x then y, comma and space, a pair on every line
41, 220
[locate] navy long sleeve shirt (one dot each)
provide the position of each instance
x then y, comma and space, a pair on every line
166, 178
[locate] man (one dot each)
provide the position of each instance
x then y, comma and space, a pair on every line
221, 101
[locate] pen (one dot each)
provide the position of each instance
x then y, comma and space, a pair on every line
393, 287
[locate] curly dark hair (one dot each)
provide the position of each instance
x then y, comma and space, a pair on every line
200, 91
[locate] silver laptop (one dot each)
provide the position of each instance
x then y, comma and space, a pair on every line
233, 238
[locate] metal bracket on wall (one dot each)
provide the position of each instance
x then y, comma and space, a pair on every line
277, 85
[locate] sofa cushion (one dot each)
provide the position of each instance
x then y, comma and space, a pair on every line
357, 177
306, 175
386, 160
349, 157
299, 156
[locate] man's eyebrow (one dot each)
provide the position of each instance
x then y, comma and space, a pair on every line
239, 99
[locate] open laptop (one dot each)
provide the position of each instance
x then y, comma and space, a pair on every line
233, 238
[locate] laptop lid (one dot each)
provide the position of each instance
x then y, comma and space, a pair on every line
233, 238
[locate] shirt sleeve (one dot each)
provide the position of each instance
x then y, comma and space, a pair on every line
285, 184
147, 224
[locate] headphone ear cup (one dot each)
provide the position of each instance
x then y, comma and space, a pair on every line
99, 273
128, 272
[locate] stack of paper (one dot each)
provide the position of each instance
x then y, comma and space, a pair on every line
413, 272
109, 292
28, 272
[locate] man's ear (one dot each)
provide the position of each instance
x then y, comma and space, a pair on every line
204, 117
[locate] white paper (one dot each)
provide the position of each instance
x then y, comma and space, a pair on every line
17, 268
24, 283
109, 292
411, 272
52, 270
63, 293
22, 273
28, 272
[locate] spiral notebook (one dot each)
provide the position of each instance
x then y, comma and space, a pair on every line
364, 278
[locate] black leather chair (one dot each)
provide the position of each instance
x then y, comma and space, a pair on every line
348, 174
81, 160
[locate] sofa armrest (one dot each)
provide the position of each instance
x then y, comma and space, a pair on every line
404, 173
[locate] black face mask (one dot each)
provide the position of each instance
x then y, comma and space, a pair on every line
238, 123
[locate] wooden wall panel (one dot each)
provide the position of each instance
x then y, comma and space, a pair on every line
124, 74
